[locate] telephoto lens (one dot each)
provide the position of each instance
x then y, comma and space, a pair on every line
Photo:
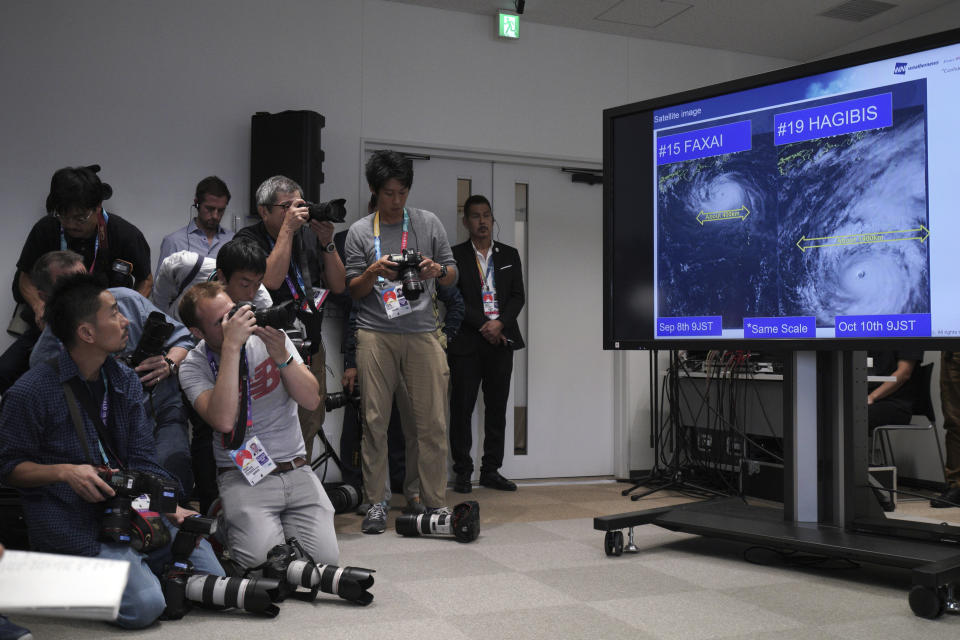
243, 593
463, 523
294, 568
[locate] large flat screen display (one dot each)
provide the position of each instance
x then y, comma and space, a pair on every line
813, 207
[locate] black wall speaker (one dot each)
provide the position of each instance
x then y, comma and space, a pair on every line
286, 143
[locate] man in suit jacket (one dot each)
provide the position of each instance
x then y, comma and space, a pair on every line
491, 281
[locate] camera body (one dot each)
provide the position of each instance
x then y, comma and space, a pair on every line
334, 401
331, 211
156, 332
408, 272
279, 316
144, 531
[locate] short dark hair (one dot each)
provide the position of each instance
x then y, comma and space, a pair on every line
472, 200
188, 304
40, 274
385, 164
75, 299
241, 254
211, 186
76, 188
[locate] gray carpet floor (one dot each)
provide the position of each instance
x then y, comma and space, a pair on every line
550, 578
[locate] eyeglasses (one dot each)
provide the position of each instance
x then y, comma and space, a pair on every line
76, 218
282, 205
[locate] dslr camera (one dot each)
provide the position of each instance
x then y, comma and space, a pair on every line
332, 211
279, 316
294, 567
334, 401
408, 270
182, 587
142, 530
156, 332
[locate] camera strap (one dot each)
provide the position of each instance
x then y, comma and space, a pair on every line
235, 439
403, 235
70, 388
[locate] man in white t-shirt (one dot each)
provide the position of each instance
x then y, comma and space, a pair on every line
268, 491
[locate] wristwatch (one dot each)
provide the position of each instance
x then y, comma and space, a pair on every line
443, 271
171, 364
330, 248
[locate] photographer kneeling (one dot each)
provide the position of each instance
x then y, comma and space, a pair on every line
59, 453
246, 381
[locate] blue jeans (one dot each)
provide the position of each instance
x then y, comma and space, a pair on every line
142, 601
168, 418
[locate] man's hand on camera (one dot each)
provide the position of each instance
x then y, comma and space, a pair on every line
176, 518
238, 327
153, 370
85, 481
275, 341
297, 215
385, 268
349, 379
430, 269
323, 230
492, 332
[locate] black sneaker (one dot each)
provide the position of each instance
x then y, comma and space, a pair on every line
11, 631
493, 480
462, 483
376, 519
952, 494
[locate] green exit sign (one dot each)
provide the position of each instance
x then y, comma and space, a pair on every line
509, 25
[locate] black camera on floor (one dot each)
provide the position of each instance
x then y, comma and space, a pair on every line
279, 316
156, 332
343, 496
332, 211
408, 270
294, 567
463, 524
334, 401
182, 588
144, 531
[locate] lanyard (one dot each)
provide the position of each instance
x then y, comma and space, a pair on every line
104, 414
234, 438
376, 235
301, 301
486, 281
96, 241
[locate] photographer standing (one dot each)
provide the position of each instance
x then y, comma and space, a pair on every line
51, 448
302, 265
247, 382
396, 330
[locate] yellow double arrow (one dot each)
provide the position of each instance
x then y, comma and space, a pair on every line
721, 216
921, 234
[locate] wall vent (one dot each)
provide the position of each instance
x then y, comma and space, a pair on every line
857, 10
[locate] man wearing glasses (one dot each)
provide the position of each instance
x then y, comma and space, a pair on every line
113, 250
203, 235
302, 265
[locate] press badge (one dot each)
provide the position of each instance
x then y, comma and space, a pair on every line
394, 303
491, 308
319, 297
253, 461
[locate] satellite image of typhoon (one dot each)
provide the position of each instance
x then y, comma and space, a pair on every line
856, 207
826, 227
727, 265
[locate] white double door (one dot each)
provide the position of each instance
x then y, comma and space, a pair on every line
563, 379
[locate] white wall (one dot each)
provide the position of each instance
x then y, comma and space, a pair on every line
161, 94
